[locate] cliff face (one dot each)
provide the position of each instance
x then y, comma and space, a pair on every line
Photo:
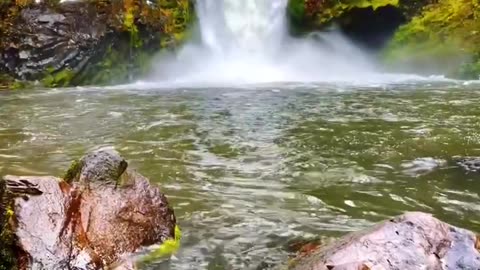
370, 23
444, 37
308, 15
85, 42
439, 36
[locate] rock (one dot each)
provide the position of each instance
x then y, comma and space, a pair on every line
469, 164
86, 42
89, 221
441, 39
420, 36
410, 241
311, 15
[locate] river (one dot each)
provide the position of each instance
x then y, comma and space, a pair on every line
250, 168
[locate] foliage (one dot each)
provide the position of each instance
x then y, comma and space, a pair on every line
446, 34
306, 15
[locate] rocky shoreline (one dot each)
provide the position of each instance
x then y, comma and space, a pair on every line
102, 211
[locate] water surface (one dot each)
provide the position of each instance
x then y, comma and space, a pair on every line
249, 168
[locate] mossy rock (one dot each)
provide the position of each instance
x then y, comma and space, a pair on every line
443, 38
102, 185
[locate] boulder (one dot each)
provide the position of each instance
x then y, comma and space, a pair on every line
94, 218
410, 241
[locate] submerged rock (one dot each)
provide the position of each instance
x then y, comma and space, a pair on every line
410, 241
469, 164
88, 220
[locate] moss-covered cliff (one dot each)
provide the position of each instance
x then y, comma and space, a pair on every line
444, 37
434, 36
85, 42
371, 23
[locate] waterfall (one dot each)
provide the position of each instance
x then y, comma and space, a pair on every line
247, 41
231, 26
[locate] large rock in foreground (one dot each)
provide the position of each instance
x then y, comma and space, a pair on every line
411, 241
93, 219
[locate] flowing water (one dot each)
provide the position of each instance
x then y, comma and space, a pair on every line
250, 168
247, 41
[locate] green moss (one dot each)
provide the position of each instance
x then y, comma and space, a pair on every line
446, 34
72, 172
166, 249
60, 78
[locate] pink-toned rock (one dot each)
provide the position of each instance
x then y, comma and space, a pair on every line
92, 219
410, 241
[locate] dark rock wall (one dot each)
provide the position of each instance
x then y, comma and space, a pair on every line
87, 42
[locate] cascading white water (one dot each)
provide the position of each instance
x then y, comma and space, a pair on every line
247, 26
247, 41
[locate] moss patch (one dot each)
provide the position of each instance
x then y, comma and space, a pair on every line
73, 172
166, 249
59, 78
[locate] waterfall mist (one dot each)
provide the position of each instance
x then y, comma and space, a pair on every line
238, 42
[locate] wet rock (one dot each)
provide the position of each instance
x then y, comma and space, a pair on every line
85, 42
89, 221
469, 164
410, 241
